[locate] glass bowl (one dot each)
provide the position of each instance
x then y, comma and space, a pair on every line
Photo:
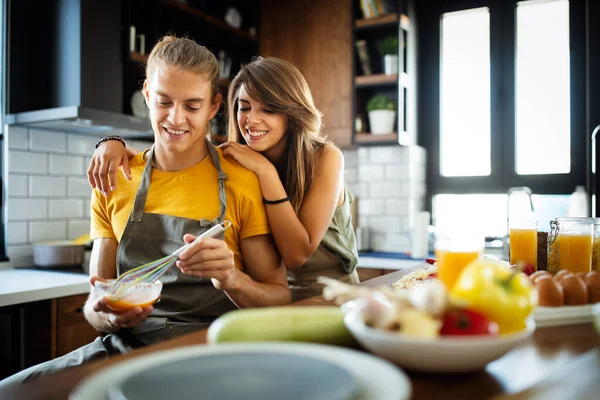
140, 294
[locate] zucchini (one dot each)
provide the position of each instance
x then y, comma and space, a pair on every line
323, 324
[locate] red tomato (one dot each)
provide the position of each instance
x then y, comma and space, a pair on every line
467, 322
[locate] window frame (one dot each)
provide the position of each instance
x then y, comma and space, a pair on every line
3, 109
502, 92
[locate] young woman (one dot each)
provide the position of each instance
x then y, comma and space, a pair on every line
301, 174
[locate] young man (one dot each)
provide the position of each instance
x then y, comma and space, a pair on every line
179, 188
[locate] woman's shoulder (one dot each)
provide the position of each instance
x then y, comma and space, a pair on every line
329, 156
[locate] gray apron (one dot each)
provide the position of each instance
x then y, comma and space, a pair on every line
187, 303
336, 257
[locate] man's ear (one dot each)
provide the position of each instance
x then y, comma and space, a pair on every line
146, 93
214, 107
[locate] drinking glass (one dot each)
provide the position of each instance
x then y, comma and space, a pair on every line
454, 252
523, 242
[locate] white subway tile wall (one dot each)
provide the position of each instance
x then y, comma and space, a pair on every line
48, 193
389, 182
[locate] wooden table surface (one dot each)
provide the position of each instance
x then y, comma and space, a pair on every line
553, 354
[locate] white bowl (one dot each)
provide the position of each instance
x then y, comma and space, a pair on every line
136, 294
442, 355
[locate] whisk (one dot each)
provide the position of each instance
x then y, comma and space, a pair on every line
150, 272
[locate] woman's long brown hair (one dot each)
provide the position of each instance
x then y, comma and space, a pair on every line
280, 86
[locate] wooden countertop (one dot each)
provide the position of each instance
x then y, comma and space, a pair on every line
553, 354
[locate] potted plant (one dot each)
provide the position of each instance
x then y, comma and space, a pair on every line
388, 48
382, 114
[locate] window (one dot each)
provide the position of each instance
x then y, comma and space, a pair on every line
502, 104
465, 93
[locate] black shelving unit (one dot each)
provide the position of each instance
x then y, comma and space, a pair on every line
373, 31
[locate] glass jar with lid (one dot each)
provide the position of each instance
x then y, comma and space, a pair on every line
570, 244
596, 246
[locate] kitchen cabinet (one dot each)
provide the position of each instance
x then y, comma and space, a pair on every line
315, 36
202, 21
32, 333
70, 329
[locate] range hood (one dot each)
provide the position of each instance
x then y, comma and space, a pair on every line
83, 120
67, 73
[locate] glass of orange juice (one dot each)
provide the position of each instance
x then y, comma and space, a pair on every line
453, 252
523, 242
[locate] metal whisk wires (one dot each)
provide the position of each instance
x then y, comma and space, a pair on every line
152, 271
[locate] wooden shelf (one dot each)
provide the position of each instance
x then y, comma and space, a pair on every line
138, 57
384, 20
210, 19
369, 138
375, 80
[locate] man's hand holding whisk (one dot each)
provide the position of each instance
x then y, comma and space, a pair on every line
125, 319
209, 258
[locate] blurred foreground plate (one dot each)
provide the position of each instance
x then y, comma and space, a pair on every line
270, 370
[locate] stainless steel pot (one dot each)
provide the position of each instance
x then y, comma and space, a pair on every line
58, 254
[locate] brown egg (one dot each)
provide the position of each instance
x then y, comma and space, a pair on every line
592, 282
574, 290
560, 274
581, 275
539, 274
550, 293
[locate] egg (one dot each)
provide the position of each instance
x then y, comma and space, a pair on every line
550, 293
538, 275
581, 275
561, 274
574, 290
592, 282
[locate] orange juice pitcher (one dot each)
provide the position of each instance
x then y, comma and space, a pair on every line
523, 242
453, 254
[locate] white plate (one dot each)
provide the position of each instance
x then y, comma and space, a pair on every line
565, 315
377, 379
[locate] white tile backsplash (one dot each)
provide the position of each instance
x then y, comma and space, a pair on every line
23, 209
82, 145
371, 172
390, 190
368, 206
48, 197
67, 165
16, 233
18, 184
78, 187
78, 227
41, 231
65, 208
351, 174
20, 255
47, 141
387, 155
32, 163
47, 186
17, 138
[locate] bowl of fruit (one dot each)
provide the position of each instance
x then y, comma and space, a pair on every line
430, 328
126, 297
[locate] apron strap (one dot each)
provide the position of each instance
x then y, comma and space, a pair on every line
142, 193
214, 154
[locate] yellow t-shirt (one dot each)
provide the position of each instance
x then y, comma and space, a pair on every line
189, 193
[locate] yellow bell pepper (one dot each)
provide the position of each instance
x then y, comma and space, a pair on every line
503, 294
